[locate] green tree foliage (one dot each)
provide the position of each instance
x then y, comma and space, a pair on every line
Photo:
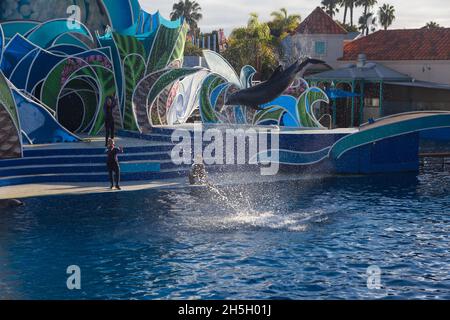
331, 7
348, 27
283, 24
386, 15
367, 18
432, 25
190, 10
349, 6
252, 45
367, 5
367, 23
192, 50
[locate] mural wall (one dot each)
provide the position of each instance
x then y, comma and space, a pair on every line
10, 140
60, 71
294, 108
57, 72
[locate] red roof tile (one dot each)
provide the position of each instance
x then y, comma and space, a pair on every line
318, 22
409, 44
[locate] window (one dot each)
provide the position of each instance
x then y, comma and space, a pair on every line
320, 48
372, 102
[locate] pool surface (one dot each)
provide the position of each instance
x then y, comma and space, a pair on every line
308, 239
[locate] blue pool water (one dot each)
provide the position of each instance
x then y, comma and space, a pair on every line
307, 239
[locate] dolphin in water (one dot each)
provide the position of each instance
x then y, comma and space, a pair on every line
10, 203
271, 89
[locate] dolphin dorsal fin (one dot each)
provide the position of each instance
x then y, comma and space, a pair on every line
277, 71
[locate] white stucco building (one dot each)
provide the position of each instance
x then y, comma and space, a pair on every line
318, 36
423, 54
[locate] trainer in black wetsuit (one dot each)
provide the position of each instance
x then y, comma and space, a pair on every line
109, 106
113, 163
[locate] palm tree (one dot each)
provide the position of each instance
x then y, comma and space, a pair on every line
190, 11
348, 5
367, 23
344, 4
283, 23
367, 4
260, 38
354, 4
252, 45
386, 15
366, 16
331, 6
432, 25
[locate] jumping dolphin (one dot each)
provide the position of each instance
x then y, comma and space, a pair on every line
271, 89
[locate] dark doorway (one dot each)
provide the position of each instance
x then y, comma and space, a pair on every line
71, 112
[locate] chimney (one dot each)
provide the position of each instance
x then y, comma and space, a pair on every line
362, 59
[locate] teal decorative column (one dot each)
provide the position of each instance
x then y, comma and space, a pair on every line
381, 99
353, 104
361, 107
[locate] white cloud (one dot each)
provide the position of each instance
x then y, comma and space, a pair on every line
229, 14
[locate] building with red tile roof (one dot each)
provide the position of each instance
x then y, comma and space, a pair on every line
318, 36
408, 44
423, 54
319, 22
397, 70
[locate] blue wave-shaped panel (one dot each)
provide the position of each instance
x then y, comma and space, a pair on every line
2, 42
387, 131
294, 157
38, 124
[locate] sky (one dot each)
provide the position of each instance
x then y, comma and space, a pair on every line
228, 14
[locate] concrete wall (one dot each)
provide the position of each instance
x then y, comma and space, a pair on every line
400, 99
304, 45
424, 70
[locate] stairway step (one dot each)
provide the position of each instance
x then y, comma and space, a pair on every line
74, 177
156, 137
85, 162
30, 152
163, 131
82, 168
81, 159
128, 166
91, 177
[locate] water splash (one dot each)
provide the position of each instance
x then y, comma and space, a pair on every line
244, 212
